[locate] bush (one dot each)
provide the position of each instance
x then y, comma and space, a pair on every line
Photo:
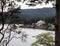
45, 39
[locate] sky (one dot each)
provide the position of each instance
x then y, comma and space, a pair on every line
24, 6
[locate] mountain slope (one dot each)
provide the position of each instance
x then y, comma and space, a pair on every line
37, 13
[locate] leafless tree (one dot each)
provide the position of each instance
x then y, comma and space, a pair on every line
11, 8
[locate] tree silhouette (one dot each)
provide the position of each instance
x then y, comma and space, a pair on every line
11, 8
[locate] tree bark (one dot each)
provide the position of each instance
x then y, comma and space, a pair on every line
2, 15
57, 40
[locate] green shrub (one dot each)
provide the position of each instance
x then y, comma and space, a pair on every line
45, 39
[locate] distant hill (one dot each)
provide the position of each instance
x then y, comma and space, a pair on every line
41, 13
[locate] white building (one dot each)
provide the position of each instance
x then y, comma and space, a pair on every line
39, 23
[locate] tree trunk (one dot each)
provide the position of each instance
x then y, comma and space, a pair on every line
2, 20
57, 40
2, 15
